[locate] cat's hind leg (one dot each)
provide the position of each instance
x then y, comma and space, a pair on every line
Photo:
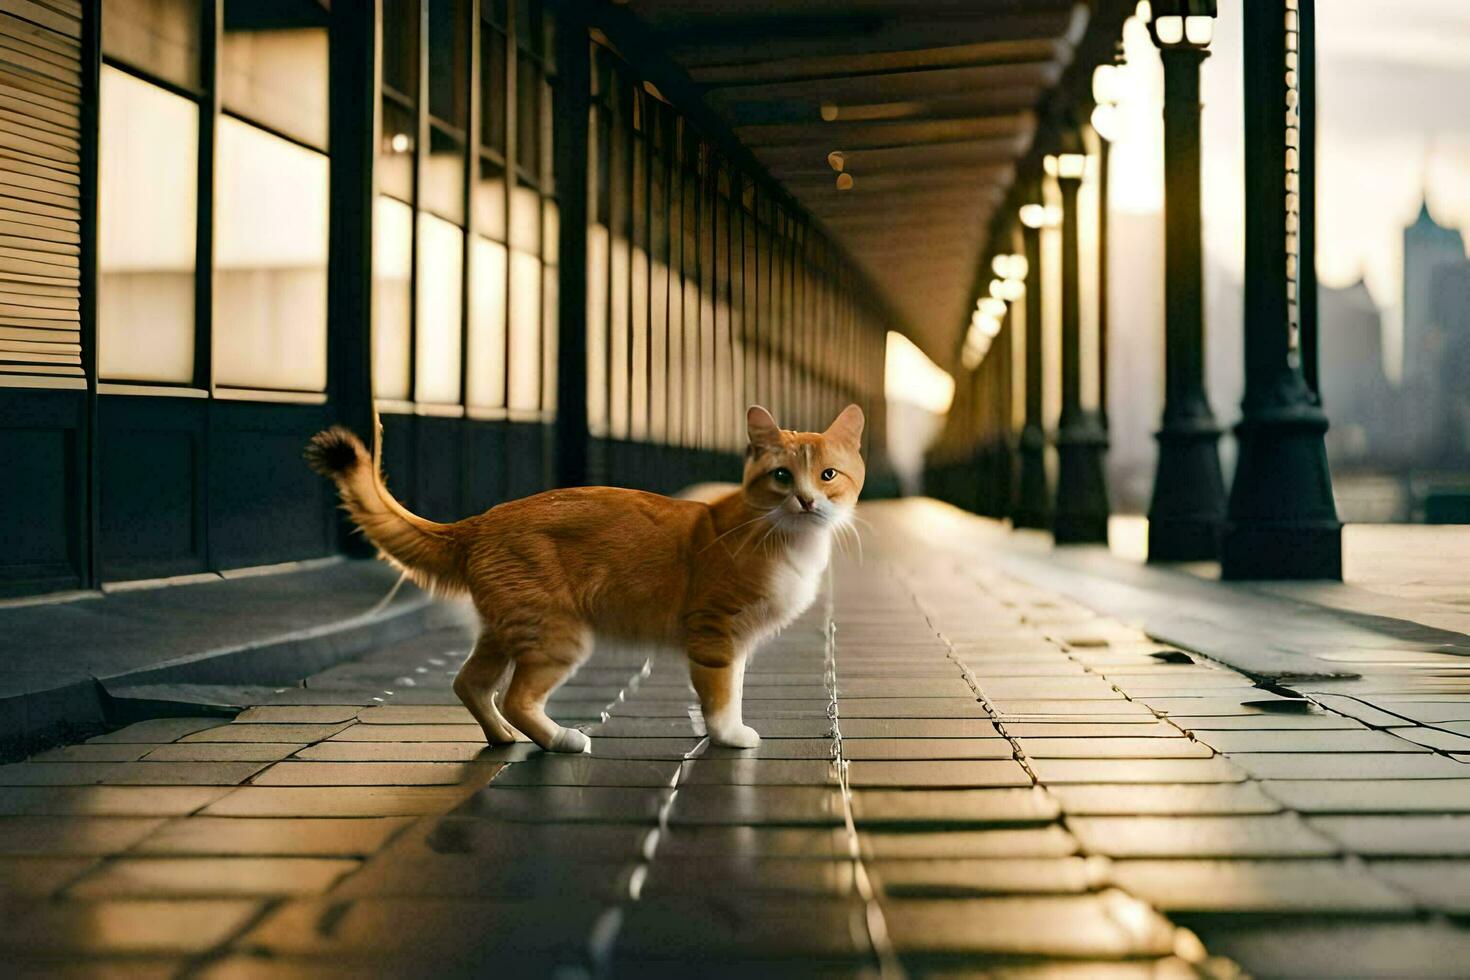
477, 683
540, 668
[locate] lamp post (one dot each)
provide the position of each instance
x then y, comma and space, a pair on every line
1189, 491
1032, 506
1281, 521
1080, 513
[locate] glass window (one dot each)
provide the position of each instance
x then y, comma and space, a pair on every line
401, 47
449, 67
395, 154
492, 87
270, 282
392, 266
597, 312
147, 204
549, 326
525, 332
274, 71
159, 36
490, 200
438, 324
528, 117
487, 324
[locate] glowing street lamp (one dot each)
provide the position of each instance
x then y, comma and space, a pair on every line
1175, 24
1189, 491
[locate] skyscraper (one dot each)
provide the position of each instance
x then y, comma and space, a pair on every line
1428, 247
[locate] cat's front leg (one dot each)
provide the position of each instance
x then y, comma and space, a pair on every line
717, 670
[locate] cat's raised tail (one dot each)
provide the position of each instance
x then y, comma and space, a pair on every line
430, 553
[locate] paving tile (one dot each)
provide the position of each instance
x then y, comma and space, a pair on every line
409, 869
271, 836
1437, 885
128, 801
1197, 799
1119, 728
858, 749
128, 926
1051, 840
570, 804
1318, 951
1265, 721
1109, 747
1358, 710
953, 774
96, 752
1363, 765
579, 770
39, 877
1278, 835
860, 687
925, 808
757, 772
403, 714
672, 749
157, 730
744, 875
1406, 835
1435, 738
662, 935
336, 801
855, 729
411, 733
1307, 741
1254, 886
705, 805
128, 773
223, 751
1056, 926
377, 773
334, 751
304, 714
1045, 709
267, 733
135, 877
69, 836
958, 877
362, 932
1084, 686
774, 748
1372, 795
909, 708
1216, 770
814, 843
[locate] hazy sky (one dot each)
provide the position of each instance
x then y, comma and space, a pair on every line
1393, 89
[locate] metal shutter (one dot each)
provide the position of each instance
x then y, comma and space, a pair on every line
40, 181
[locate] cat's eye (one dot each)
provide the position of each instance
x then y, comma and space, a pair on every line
781, 475
829, 474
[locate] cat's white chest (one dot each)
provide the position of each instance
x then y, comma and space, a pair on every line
795, 579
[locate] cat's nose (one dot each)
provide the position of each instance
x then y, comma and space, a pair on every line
807, 503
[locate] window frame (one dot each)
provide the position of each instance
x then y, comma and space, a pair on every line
207, 97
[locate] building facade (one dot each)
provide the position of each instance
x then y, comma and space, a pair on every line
228, 223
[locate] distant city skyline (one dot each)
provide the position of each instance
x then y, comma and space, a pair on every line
1393, 130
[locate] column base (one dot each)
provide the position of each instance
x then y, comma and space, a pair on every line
1188, 504
1080, 515
1268, 550
1030, 507
1282, 521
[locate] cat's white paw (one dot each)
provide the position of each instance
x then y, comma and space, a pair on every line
570, 740
743, 737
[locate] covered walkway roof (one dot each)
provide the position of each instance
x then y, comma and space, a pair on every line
931, 106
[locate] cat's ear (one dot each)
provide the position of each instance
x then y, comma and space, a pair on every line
764, 432
847, 428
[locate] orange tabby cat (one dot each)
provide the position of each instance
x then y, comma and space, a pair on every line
549, 573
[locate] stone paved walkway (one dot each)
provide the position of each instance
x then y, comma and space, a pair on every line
961, 775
